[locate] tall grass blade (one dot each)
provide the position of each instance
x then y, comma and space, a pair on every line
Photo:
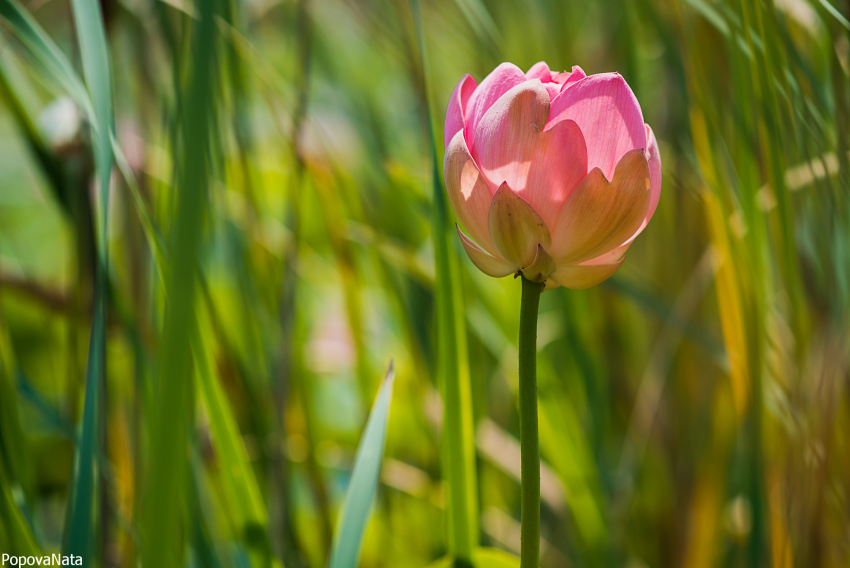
246, 506
171, 416
91, 37
453, 365
12, 441
78, 538
15, 534
354, 515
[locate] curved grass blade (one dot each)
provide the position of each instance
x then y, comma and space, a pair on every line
833, 11
153, 235
354, 515
91, 37
54, 64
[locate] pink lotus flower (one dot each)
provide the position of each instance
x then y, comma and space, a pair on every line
552, 174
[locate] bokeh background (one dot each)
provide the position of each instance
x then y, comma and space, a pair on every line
276, 182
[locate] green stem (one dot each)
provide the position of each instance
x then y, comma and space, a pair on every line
529, 442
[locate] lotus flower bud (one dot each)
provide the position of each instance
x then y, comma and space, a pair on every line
552, 175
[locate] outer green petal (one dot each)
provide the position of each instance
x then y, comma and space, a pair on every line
516, 228
583, 276
541, 268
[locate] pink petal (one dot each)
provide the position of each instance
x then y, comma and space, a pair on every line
599, 215
541, 166
457, 104
610, 257
540, 71
489, 265
496, 84
606, 110
554, 82
654, 158
516, 228
553, 89
567, 79
468, 191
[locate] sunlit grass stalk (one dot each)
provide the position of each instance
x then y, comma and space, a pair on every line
458, 430
529, 440
768, 125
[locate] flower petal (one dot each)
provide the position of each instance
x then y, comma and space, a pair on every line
654, 158
458, 103
540, 71
500, 81
542, 166
612, 256
567, 79
553, 89
599, 216
608, 114
468, 191
489, 265
583, 276
516, 228
541, 268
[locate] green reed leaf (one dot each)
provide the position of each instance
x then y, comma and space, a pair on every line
243, 497
354, 515
171, 416
453, 361
833, 11
91, 37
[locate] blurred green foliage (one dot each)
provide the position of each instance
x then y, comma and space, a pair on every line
270, 247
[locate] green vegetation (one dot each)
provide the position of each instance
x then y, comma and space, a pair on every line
219, 223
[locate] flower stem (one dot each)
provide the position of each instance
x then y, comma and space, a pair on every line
530, 546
